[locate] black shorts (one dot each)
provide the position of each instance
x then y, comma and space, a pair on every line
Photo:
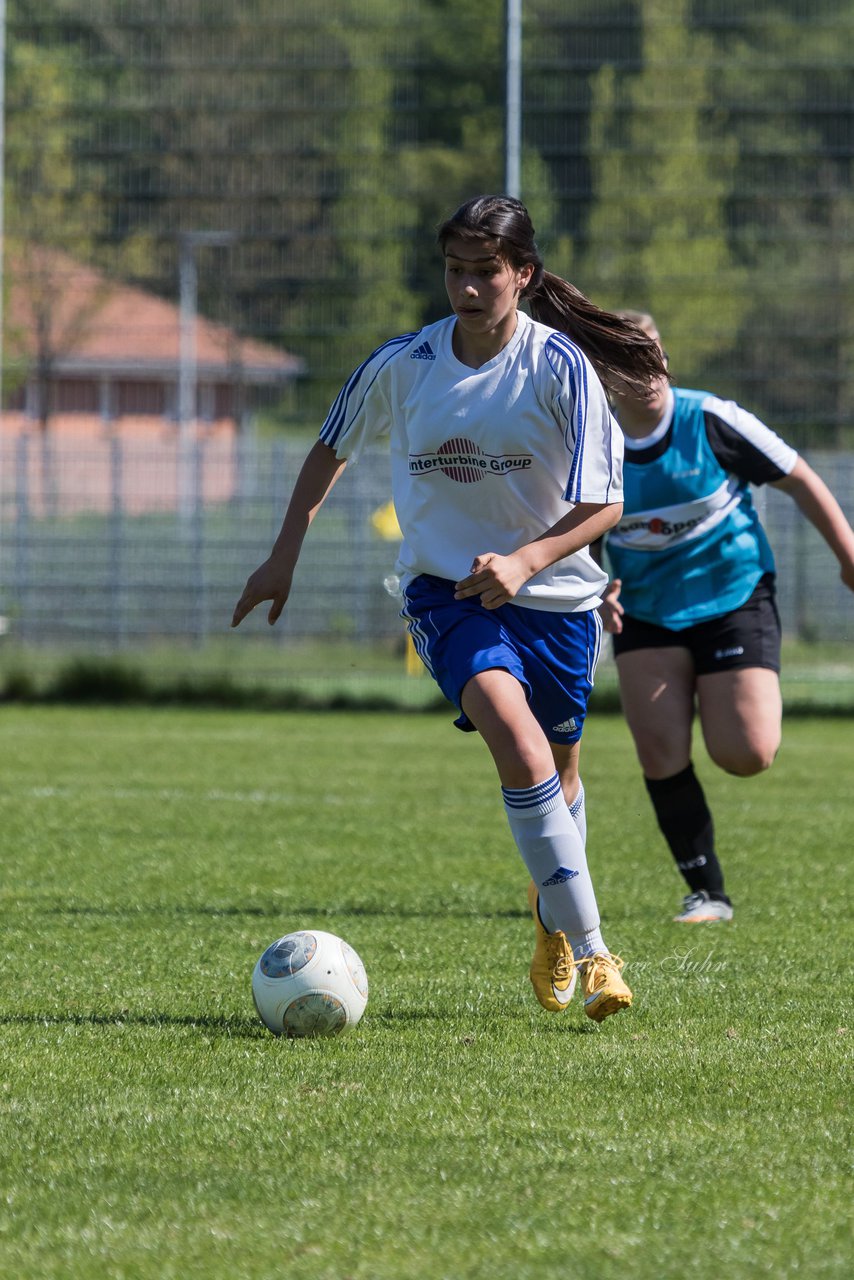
746, 637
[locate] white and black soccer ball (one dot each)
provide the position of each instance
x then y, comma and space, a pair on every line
310, 983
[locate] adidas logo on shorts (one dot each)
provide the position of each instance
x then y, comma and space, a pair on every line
424, 352
566, 726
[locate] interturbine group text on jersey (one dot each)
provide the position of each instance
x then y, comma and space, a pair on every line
466, 462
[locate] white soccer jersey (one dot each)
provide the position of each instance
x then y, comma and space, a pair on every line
486, 459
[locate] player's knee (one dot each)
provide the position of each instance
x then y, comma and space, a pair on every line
747, 760
661, 757
521, 754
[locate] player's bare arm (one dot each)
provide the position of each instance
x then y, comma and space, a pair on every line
272, 579
818, 504
497, 579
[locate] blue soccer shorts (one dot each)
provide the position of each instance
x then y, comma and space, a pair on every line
552, 655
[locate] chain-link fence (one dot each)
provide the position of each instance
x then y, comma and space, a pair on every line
213, 212
95, 549
98, 552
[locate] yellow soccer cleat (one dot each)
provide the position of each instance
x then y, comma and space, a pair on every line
553, 972
605, 992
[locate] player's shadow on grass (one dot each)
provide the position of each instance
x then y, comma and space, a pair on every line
232, 1028
297, 911
251, 1029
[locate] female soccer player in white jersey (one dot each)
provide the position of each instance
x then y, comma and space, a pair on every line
691, 606
506, 465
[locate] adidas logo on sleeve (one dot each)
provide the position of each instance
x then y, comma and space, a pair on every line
424, 352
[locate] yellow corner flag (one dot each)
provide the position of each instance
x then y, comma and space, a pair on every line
414, 665
384, 521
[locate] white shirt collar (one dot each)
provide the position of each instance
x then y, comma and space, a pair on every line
658, 432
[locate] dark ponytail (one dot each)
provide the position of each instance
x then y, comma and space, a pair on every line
613, 344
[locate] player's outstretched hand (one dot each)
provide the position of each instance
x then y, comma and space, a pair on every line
268, 582
610, 610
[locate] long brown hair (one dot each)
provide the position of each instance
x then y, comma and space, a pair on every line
613, 344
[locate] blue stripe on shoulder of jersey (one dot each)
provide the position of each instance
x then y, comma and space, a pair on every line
337, 416
557, 346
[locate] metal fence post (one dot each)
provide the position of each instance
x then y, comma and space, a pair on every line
118, 586
22, 533
199, 592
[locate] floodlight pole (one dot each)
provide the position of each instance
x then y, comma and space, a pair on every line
2, 182
513, 99
188, 291
2, 238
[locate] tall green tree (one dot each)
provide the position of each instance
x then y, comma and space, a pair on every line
662, 174
451, 140
785, 83
273, 124
56, 208
45, 212
364, 295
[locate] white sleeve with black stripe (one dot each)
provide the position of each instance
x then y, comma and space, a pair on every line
743, 445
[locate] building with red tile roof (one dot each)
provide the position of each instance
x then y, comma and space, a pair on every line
98, 347
94, 365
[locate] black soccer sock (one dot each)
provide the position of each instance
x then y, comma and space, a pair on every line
687, 826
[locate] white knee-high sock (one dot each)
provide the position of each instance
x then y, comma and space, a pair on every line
553, 851
578, 813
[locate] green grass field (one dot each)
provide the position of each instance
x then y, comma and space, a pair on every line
152, 1129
